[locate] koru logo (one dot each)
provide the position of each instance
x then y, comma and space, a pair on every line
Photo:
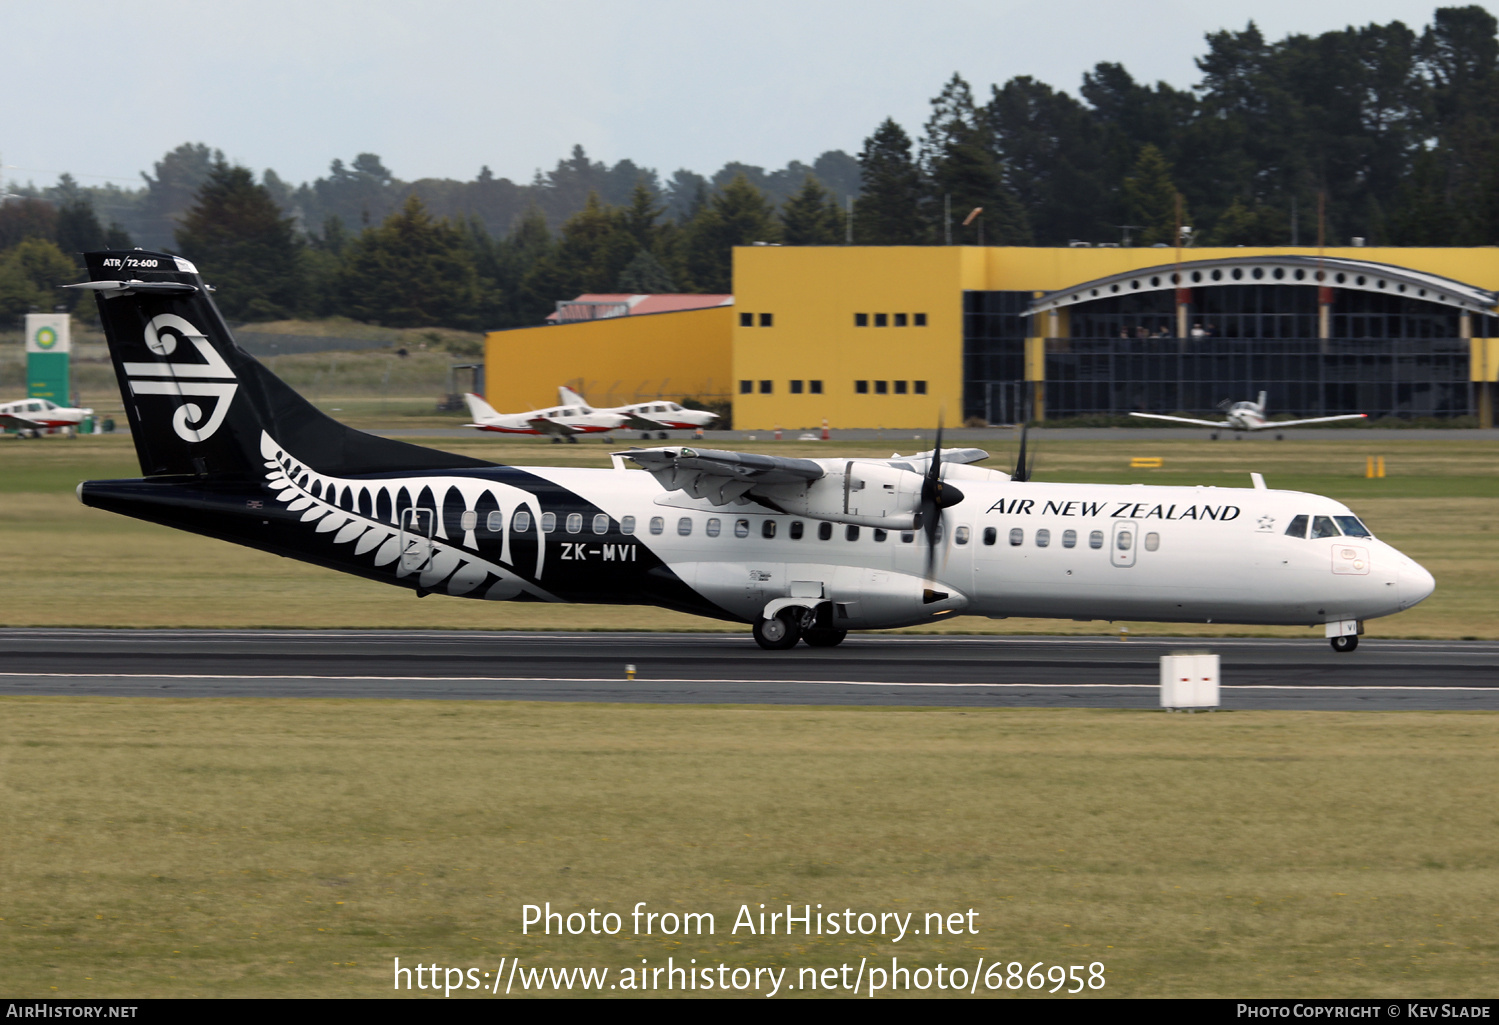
210, 379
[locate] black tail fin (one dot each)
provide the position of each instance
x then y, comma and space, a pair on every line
198, 403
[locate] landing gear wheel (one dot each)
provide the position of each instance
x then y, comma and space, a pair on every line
779, 633
572, 439
823, 637
1280, 437
1347, 643
645, 435
1214, 436
556, 441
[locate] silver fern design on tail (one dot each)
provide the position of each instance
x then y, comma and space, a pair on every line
412, 545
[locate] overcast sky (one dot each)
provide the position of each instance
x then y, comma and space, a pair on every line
103, 88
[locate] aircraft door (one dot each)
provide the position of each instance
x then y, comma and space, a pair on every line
417, 526
1124, 543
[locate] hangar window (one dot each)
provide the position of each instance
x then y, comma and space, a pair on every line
851, 533
684, 526
1297, 527
990, 535
900, 320
1043, 538
574, 523
881, 320
1017, 536
824, 532
907, 536
920, 319
882, 387
1095, 539
1323, 526
796, 387
741, 528
521, 523
1152, 541
495, 522
880, 535
900, 387
768, 529
548, 522
627, 525
861, 387
815, 387
766, 387
1069, 539
767, 320
713, 526
960, 536
746, 320
657, 524
919, 387
1352, 527
861, 320
796, 530
600, 523
746, 387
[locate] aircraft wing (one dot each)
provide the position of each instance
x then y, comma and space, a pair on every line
11, 422
720, 477
1277, 424
556, 428
636, 422
1183, 420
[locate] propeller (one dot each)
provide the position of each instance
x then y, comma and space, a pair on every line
1023, 469
936, 495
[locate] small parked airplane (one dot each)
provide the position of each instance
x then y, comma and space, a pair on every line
559, 422
658, 415
31, 418
801, 549
1250, 416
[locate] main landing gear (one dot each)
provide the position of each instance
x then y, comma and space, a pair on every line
785, 628
1347, 643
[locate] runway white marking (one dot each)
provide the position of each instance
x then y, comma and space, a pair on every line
615, 679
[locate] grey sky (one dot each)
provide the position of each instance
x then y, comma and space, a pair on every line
441, 87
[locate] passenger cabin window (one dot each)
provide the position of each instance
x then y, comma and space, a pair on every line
741, 528
574, 522
1125, 540
627, 525
824, 531
768, 528
1017, 536
684, 526
1323, 526
1043, 538
1297, 527
657, 524
960, 536
1069, 539
880, 535
469, 520
796, 530
1152, 541
990, 535
600, 523
1095, 539
495, 522
851, 533
907, 536
712, 527
1352, 527
521, 523
548, 522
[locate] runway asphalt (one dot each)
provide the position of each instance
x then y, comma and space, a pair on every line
872, 669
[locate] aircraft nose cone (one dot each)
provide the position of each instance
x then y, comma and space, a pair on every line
1416, 584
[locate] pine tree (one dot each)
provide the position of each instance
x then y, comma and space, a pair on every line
812, 218
962, 174
1150, 198
235, 232
737, 215
645, 275
410, 271
888, 210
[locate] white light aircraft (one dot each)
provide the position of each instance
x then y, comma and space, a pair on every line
31, 418
800, 549
658, 415
566, 421
1250, 416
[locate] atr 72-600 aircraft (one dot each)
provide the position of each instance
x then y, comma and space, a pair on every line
800, 548
657, 415
1250, 416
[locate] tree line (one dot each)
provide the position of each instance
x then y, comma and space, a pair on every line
1392, 133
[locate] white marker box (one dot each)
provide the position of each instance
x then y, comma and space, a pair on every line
1189, 680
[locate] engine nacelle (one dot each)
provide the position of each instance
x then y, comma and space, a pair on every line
866, 494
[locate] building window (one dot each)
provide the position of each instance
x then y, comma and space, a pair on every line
861, 387
900, 320
861, 320
796, 387
920, 320
882, 387
766, 387
767, 319
920, 387
746, 320
746, 387
815, 387
881, 320
900, 387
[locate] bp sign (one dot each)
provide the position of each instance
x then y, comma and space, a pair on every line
47, 347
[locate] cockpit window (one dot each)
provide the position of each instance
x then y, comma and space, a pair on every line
1297, 527
1323, 526
1352, 527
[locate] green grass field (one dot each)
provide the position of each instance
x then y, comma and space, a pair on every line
1437, 503
165, 847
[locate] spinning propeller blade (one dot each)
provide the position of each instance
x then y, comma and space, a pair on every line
935, 496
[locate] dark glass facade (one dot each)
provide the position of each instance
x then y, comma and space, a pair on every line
1387, 355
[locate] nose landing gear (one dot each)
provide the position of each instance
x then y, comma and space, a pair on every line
1347, 643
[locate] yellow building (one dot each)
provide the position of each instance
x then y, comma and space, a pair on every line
898, 336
